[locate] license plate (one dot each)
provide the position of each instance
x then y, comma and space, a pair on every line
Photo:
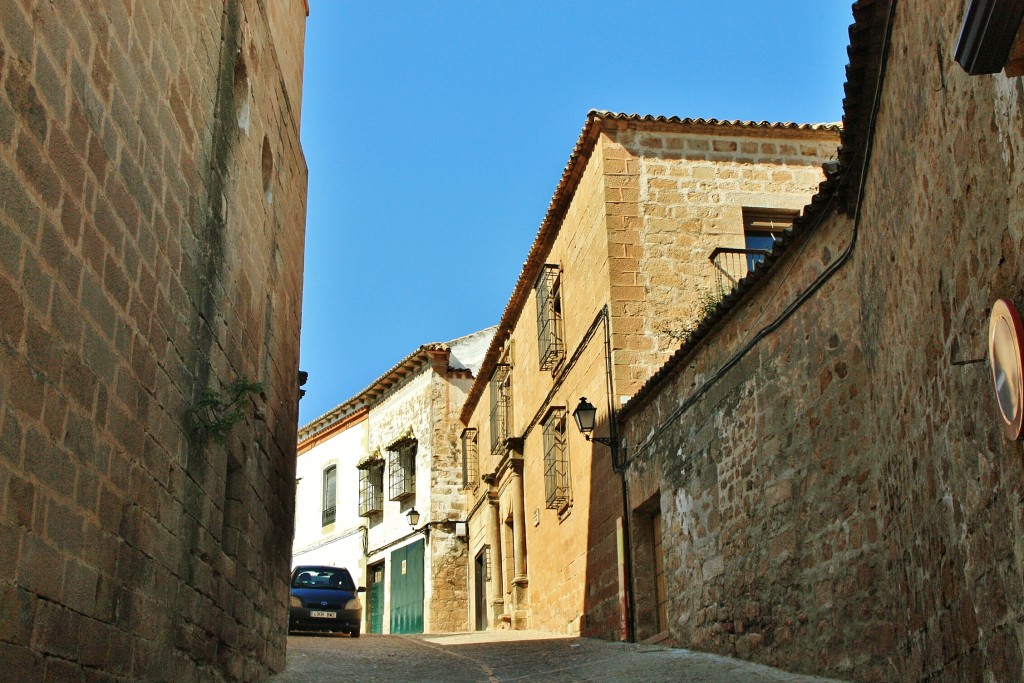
324, 615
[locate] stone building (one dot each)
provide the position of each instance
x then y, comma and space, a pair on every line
152, 208
366, 465
824, 458
620, 258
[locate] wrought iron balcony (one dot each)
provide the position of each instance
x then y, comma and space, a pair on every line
328, 516
732, 265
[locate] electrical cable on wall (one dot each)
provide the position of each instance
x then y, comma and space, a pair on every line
824, 277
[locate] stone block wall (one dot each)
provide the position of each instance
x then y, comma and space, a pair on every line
843, 501
672, 194
555, 593
152, 202
426, 406
648, 202
449, 553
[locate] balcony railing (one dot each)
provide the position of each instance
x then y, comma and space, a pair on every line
328, 516
732, 265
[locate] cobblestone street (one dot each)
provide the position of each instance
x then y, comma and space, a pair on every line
509, 656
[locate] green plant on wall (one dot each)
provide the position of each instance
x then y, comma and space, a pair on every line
214, 415
682, 330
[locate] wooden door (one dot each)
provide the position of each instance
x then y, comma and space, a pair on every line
480, 590
660, 589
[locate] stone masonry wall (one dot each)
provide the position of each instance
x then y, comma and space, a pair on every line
843, 501
152, 203
449, 553
646, 205
426, 404
671, 198
557, 544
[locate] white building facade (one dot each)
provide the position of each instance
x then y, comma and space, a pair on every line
380, 490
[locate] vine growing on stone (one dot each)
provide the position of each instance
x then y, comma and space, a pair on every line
214, 415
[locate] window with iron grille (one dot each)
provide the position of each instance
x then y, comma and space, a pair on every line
402, 468
371, 488
501, 406
556, 461
470, 459
551, 349
329, 495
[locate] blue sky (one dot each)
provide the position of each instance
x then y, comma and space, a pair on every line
436, 131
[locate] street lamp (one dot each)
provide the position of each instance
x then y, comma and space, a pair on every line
585, 416
413, 517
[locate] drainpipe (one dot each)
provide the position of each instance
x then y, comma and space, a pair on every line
624, 552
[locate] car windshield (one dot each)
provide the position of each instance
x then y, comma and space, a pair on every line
328, 578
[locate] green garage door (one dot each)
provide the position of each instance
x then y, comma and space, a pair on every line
407, 589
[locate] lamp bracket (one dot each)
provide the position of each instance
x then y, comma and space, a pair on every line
606, 440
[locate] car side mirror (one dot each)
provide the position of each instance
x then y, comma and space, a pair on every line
361, 589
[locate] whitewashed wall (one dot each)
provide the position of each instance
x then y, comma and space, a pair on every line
341, 543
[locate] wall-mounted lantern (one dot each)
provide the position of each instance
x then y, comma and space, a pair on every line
414, 517
585, 416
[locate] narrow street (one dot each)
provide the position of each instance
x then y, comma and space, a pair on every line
509, 656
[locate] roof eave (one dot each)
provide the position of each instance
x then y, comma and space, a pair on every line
380, 386
559, 204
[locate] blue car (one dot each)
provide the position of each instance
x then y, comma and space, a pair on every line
324, 599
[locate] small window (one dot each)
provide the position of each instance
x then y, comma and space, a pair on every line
501, 407
330, 494
402, 466
470, 459
556, 461
371, 488
549, 318
762, 228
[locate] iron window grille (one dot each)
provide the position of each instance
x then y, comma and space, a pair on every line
501, 406
551, 347
470, 459
556, 462
329, 495
402, 467
371, 488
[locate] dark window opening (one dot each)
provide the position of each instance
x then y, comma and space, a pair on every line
470, 459
329, 495
402, 467
501, 407
762, 228
371, 488
556, 461
551, 346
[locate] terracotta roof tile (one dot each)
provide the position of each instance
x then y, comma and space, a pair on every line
375, 390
